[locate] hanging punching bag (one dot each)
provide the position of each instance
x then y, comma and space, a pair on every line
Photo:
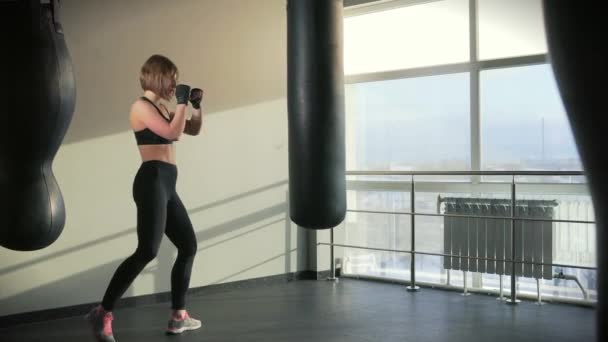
38, 100
317, 179
579, 56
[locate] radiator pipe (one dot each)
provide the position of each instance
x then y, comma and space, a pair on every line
561, 275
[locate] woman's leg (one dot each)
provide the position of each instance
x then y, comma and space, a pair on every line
181, 233
151, 200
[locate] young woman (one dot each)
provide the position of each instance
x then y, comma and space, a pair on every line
159, 208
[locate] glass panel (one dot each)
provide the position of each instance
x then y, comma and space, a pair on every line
524, 124
408, 37
409, 124
510, 28
377, 231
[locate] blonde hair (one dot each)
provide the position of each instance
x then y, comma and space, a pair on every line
159, 75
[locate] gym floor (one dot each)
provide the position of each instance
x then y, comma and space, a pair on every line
350, 310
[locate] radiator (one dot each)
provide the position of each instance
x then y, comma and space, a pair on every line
491, 237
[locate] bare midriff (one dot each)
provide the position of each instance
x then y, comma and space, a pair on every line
165, 153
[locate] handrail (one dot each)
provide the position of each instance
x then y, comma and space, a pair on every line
465, 173
413, 214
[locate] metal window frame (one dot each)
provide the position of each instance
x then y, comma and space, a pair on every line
363, 7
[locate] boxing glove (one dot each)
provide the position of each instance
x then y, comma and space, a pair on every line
182, 92
196, 96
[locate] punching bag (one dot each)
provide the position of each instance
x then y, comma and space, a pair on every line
37, 106
579, 56
317, 179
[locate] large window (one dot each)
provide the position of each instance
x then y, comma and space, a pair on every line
430, 87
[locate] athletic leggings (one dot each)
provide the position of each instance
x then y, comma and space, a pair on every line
159, 210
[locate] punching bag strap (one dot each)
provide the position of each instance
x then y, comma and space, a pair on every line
54, 6
55, 12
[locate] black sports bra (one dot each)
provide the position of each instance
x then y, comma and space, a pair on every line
146, 136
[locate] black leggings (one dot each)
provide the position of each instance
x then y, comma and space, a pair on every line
159, 210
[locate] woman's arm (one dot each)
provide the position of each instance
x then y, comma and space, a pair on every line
194, 124
196, 121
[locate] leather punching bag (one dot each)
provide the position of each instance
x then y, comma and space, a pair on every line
317, 179
38, 101
579, 56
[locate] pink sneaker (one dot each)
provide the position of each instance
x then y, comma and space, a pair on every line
178, 325
101, 323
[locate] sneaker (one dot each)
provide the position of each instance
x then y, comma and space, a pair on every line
178, 325
101, 323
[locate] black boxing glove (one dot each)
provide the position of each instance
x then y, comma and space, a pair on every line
181, 93
196, 96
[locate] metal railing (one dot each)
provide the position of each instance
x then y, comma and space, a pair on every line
512, 218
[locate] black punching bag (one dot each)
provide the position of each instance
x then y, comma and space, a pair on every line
37, 105
579, 55
317, 179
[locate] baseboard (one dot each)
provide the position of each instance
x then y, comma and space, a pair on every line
156, 298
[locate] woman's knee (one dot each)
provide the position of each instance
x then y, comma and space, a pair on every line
145, 254
188, 251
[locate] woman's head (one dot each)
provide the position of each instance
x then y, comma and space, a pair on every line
159, 75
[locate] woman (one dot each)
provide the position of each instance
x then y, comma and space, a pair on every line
159, 208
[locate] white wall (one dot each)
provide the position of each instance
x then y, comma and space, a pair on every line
232, 178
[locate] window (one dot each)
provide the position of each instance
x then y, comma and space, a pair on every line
416, 100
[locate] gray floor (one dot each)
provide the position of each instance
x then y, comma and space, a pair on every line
352, 310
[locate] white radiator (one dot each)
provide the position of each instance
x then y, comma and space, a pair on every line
491, 237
